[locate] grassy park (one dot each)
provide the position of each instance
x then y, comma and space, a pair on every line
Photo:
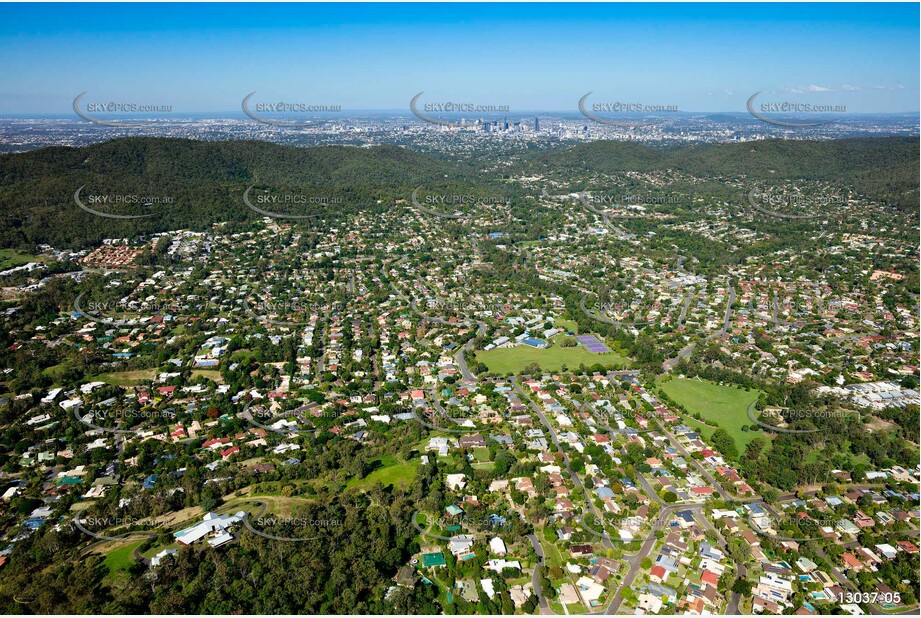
513, 360
726, 406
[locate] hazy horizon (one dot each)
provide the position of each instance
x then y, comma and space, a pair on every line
526, 57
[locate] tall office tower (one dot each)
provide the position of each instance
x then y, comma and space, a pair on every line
536, 124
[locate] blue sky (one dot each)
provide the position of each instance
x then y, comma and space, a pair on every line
207, 57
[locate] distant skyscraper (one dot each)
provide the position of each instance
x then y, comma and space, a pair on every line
536, 124
505, 125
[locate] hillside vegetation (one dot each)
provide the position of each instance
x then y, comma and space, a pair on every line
204, 181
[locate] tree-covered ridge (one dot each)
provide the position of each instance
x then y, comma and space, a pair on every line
199, 182
190, 161
204, 181
885, 169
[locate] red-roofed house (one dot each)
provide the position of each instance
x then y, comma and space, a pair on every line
907, 546
710, 578
851, 562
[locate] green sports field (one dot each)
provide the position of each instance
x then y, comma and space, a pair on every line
724, 405
513, 360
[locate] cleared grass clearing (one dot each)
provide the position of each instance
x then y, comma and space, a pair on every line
127, 378
281, 506
392, 472
724, 405
211, 374
12, 257
121, 558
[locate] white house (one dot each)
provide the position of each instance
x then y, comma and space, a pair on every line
497, 564
156, 560
456, 481
211, 523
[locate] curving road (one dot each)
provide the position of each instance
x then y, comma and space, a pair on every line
685, 352
462, 361
535, 575
576, 480
605, 320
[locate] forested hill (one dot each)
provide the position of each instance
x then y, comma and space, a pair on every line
191, 162
204, 180
884, 168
